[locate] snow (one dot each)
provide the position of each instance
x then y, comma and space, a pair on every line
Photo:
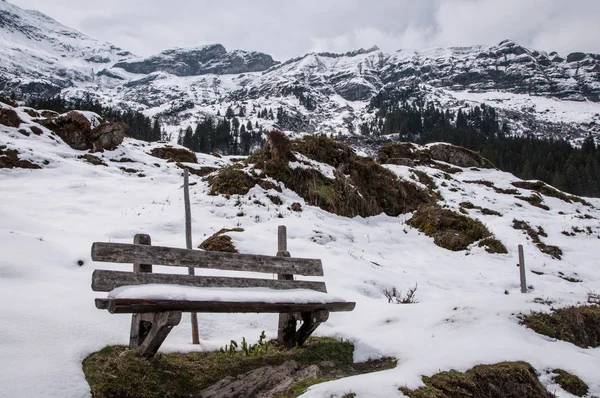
50, 217
265, 295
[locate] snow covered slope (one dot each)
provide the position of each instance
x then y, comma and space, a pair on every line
49, 218
535, 92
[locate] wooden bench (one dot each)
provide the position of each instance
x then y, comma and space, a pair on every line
153, 319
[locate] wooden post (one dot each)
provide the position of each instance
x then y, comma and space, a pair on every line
522, 270
286, 332
188, 244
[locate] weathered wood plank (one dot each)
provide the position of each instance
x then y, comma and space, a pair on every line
188, 245
158, 255
105, 281
286, 327
126, 306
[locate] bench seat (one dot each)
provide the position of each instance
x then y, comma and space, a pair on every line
141, 306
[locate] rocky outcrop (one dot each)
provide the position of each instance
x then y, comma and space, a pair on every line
200, 61
268, 381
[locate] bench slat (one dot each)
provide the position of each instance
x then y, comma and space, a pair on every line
105, 281
158, 255
127, 306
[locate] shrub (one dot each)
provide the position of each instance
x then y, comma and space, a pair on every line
231, 181
493, 245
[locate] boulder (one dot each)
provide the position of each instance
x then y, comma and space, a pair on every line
458, 156
107, 136
9, 159
73, 128
9, 117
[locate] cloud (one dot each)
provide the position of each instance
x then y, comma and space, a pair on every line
287, 29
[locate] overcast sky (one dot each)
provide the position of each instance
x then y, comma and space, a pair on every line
286, 28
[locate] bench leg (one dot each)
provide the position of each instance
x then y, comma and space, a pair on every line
311, 320
148, 331
286, 333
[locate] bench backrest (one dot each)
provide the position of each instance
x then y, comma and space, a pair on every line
143, 255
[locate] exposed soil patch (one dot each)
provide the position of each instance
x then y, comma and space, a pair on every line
577, 325
9, 159
484, 210
174, 154
201, 171
450, 230
219, 242
534, 200
501, 380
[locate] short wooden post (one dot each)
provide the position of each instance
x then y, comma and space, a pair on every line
522, 270
188, 244
286, 332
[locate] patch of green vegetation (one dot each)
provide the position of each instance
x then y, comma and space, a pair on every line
450, 230
219, 242
570, 383
501, 380
509, 191
425, 179
483, 210
118, 372
493, 245
579, 325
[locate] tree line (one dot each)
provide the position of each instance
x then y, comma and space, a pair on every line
556, 162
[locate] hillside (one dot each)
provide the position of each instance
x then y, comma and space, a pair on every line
468, 300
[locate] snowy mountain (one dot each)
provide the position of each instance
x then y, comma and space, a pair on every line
534, 92
58, 200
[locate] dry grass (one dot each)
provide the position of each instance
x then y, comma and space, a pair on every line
570, 383
174, 154
545, 189
219, 242
553, 251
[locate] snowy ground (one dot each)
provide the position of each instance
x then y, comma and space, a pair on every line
49, 219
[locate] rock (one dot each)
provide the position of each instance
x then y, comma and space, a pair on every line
107, 136
297, 207
9, 117
31, 112
200, 172
174, 154
268, 381
459, 156
73, 128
